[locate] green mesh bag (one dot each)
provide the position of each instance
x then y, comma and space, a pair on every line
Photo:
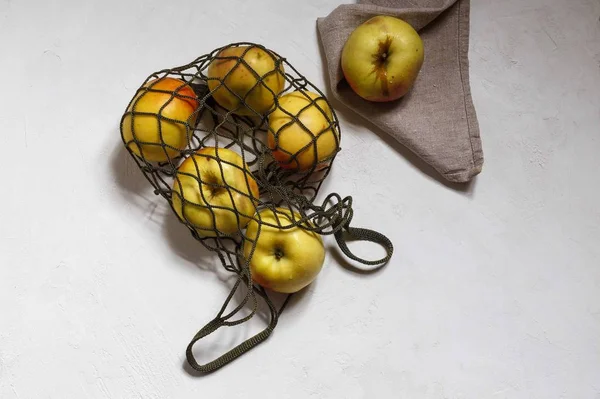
235, 135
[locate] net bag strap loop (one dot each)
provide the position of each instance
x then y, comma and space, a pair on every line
219, 322
360, 234
340, 214
345, 232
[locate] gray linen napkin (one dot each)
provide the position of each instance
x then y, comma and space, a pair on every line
436, 120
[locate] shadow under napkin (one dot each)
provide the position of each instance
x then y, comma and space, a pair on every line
437, 119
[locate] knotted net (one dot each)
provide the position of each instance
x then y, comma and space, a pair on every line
225, 143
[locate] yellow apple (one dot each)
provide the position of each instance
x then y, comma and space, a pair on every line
171, 98
382, 58
308, 142
215, 192
285, 259
229, 77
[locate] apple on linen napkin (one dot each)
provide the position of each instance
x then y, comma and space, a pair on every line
436, 119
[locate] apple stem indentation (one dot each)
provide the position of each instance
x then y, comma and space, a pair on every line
380, 60
278, 253
215, 191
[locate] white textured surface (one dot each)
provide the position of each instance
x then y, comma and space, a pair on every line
494, 292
